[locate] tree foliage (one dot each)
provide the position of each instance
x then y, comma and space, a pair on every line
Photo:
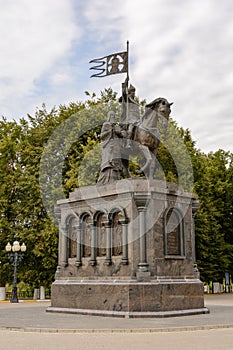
46, 156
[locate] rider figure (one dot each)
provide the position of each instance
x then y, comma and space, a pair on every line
130, 115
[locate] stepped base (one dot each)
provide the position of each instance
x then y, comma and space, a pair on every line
128, 298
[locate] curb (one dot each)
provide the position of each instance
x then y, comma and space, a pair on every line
128, 314
120, 330
27, 301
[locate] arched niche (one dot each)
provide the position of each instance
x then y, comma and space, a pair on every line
100, 220
173, 233
71, 224
117, 217
86, 221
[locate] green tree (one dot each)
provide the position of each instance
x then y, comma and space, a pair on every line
46, 156
10, 138
214, 253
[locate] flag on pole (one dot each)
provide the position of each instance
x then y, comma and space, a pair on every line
111, 64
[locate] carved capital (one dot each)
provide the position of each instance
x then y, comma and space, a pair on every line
195, 205
124, 221
107, 223
141, 200
57, 212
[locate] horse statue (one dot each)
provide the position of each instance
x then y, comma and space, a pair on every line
145, 137
133, 135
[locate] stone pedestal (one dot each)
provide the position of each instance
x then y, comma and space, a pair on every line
127, 249
2, 293
42, 293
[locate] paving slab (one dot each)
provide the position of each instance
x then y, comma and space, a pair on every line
28, 317
217, 339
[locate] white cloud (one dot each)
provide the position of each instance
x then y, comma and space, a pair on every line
179, 49
59, 78
182, 50
37, 34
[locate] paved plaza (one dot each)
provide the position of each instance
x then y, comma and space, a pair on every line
29, 326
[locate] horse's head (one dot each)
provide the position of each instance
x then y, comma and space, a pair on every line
162, 106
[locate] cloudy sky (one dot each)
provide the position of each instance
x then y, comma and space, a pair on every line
179, 49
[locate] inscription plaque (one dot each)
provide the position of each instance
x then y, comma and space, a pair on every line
173, 234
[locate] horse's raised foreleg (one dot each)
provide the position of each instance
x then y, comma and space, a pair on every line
149, 167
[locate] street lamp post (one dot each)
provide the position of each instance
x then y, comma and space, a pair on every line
15, 254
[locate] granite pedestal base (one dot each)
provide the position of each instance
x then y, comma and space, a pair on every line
128, 249
128, 298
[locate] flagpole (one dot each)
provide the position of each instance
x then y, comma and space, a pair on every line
127, 78
128, 59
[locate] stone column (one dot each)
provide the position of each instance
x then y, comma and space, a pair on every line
143, 265
141, 202
124, 223
58, 270
64, 246
57, 212
108, 260
195, 204
78, 261
92, 262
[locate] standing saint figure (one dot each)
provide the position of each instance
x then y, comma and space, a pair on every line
111, 151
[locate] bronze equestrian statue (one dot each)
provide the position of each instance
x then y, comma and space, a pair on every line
134, 134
